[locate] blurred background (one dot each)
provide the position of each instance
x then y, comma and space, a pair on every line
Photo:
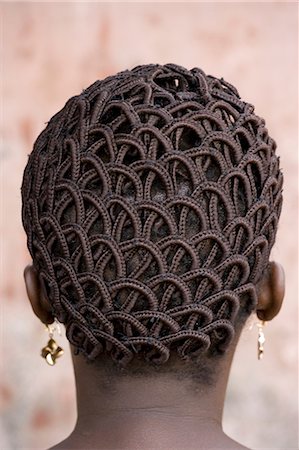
52, 51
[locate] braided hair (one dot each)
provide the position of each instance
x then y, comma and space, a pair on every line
150, 203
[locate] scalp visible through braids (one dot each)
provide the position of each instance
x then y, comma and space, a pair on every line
151, 202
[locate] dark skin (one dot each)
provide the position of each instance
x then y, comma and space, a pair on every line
152, 411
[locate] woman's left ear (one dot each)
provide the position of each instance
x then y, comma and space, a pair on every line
36, 295
270, 290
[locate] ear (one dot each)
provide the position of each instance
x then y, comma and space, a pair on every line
36, 296
270, 290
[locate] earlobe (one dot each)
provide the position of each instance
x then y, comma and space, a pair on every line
35, 295
270, 290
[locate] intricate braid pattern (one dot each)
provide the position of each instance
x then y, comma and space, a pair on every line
151, 203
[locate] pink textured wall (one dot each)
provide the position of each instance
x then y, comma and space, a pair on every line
52, 51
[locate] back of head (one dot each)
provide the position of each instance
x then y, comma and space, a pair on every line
151, 202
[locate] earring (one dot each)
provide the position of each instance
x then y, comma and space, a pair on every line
52, 351
260, 340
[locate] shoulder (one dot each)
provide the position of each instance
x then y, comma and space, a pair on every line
231, 444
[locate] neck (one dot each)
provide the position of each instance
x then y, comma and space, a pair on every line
162, 410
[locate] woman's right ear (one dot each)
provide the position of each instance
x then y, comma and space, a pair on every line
270, 290
36, 295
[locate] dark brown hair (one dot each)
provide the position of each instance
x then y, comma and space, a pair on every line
151, 202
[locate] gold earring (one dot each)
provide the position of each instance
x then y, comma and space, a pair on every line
260, 340
52, 351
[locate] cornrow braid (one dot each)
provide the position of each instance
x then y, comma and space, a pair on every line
150, 203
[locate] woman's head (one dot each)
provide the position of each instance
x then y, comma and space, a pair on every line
151, 203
